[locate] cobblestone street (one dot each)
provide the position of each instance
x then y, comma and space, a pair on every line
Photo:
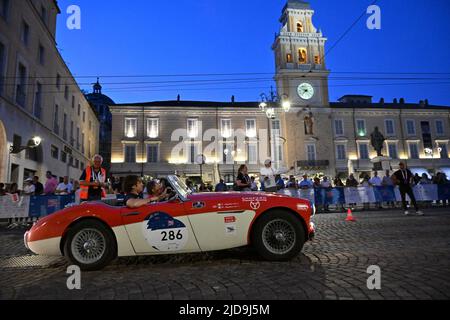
412, 252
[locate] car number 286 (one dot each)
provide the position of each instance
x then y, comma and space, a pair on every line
171, 235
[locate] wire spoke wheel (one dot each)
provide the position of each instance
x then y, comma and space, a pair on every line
88, 246
279, 236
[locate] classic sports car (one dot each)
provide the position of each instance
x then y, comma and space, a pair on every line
92, 234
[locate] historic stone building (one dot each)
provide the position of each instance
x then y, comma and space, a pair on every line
40, 98
101, 103
314, 136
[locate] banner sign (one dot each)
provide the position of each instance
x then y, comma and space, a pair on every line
41, 206
14, 206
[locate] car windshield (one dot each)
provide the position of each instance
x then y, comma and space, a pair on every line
179, 186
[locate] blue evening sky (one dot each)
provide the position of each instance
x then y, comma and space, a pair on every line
155, 37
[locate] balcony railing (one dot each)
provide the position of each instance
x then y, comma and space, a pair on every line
313, 163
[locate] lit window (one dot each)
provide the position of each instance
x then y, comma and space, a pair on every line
252, 153
130, 127
289, 58
250, 128
317, 60
152, 128
361, 127
302, 56
226, 129
192, 128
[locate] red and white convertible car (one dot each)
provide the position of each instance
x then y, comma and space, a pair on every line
92, 234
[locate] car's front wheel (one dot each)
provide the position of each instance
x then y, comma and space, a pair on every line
278, 236
90, 245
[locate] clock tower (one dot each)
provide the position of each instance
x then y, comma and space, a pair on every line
299, 57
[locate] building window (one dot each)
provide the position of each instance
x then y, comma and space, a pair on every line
84, 116
276, 127
2, 66
77, 163
21, 85
25, 33
364, 151
66, 92
82, 143
252, 153
439, 128
130, 127
299, 27
278, 152
44, 15
73, 102
389, 126
289, 58
130, 153
413, 151
361, 128
65, 127
78, 138
317, 60
443, 150
410, 127
90, 126
311, 152
63, 156
41, 55
31, 154
153, 128
250, 128
71, 161
339, 127
81, 166
4, 9
392, 149
226, 129
72, 140
341, 153
302, 56
55, 152
79, 110
38, 101
192, 128
152, 153
58, 81
56, 120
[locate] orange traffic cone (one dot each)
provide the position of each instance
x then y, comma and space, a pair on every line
350, 216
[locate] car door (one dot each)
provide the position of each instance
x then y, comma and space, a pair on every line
159, 228
219, 224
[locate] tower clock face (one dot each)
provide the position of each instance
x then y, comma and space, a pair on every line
305, 91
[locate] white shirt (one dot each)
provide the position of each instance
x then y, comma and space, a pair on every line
326, 184
63, 187
375, 181
29, 189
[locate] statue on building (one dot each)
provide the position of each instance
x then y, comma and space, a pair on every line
377, 140
309, 124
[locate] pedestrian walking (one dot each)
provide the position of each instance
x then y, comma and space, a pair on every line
404, 179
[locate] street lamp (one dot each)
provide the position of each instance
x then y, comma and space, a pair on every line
32, 143
269, 103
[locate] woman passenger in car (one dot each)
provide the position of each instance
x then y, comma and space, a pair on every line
157, 188
133, 187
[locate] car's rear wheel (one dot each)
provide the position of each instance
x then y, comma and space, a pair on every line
90, 245
278, 236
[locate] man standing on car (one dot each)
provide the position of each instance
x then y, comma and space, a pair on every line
404, 179
92, 181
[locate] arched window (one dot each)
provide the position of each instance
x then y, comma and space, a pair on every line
302, 56
299, 27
